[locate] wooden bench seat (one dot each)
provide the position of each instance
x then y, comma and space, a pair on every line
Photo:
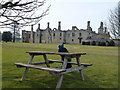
40, 68
74, 63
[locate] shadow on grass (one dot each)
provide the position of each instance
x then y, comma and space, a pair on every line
71, 80
38, 82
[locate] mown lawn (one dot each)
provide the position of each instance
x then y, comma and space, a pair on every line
103, 73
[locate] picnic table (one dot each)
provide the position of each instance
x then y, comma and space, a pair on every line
56, 71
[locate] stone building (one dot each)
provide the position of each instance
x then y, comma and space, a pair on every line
73, 36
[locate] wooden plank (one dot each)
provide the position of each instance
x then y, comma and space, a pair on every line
52, 61
79, 64
73, 69
46, 60
56, 53
59, 83
27, 69
75, 63
40, 68
41, 63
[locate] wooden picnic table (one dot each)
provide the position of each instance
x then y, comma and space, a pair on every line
61, 71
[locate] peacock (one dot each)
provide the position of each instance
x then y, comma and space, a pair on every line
61, 48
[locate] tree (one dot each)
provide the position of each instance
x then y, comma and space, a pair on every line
93, 43
24, 12
102, 44
7, 36
114, 20
111, 43
15, 30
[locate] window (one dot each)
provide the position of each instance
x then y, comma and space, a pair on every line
73, 34
29, 35
60, 34
80, 34
37, 35
68, 35
54, 34
72, 40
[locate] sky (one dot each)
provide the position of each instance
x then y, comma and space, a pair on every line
76, 13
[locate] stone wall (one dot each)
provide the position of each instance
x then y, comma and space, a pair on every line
73, 36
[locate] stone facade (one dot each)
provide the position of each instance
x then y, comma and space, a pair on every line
73, 36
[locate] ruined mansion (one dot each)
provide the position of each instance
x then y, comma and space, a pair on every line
73, 36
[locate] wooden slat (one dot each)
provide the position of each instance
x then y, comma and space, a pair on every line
56, 53
41, 63
40, 68
74, 69
57, 61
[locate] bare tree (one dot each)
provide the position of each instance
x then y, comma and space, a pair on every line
114, 20
21, 13
24, 12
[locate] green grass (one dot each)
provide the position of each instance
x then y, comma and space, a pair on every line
103, 73
0, 65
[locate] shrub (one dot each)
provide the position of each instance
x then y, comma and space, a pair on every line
93, 43
7, 36
102, 44
85, 43
111, 43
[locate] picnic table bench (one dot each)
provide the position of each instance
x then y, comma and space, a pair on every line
57, 71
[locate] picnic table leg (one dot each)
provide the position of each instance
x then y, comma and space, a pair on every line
59, 83
81, 72
46, 60
26, 70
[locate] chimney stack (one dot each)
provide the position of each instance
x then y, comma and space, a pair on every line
88, 24
101, 25
105, 29
48, 25
31, 27
59, 25
38, 26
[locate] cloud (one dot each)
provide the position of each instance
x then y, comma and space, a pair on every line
85, 0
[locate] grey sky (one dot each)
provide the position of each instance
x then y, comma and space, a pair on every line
76, 13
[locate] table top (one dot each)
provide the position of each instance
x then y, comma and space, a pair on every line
55, 53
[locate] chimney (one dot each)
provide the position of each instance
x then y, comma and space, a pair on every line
88, 24
38, 26
73, 27
48, 25
59, 25
101, 25
105, 29
31, 28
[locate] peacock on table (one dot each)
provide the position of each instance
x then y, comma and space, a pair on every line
61, 48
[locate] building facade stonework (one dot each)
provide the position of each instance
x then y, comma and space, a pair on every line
73, 36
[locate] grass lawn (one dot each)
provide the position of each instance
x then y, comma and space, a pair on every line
103, 73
